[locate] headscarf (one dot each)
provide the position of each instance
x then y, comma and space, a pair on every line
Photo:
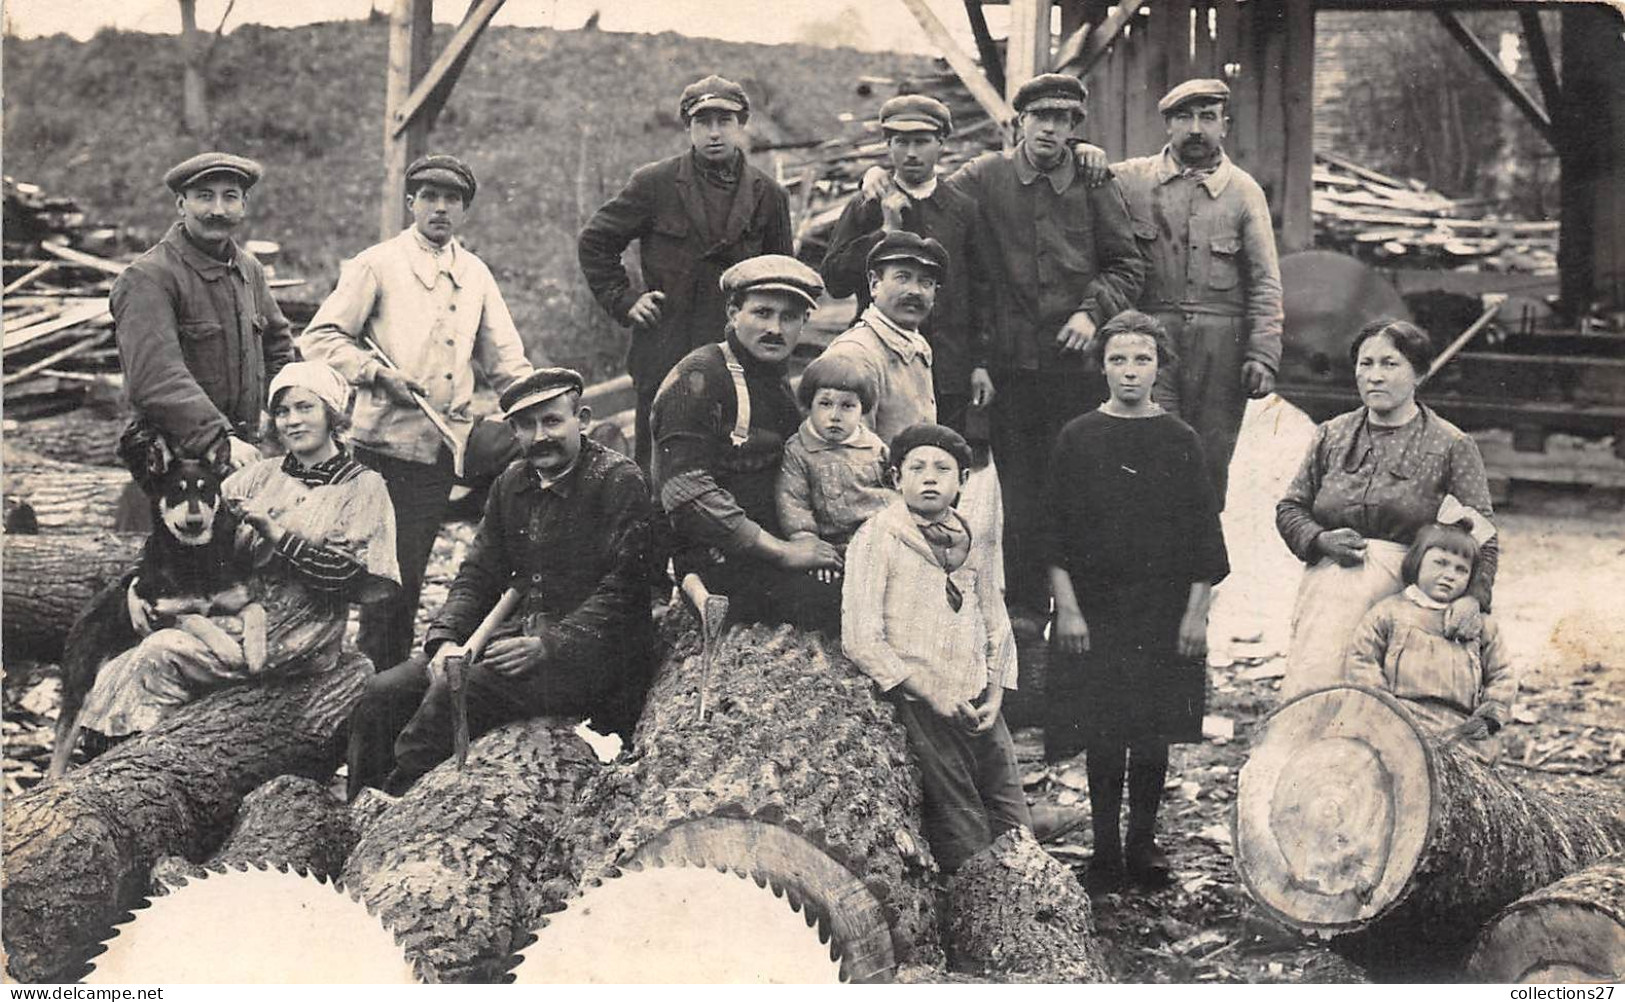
317, 377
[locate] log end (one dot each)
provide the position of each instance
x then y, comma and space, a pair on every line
1572, 931
1334, 808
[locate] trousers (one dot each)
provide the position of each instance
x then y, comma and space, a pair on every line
972, 787
420, 493
1205, 388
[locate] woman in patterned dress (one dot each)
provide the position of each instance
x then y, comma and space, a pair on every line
320, 532
1371, 479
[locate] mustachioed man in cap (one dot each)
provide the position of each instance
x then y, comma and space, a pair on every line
568, 526
1213, 279
693, 215
433, 308
909, 198
720, 422
199, 335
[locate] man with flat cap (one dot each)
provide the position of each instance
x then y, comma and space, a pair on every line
905, 273
720, 423
568, 527
433, 308
911, 199
693, 216
199, 336
1213, 279
1061, 261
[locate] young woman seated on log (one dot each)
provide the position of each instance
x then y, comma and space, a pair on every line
320, 533
1460, 689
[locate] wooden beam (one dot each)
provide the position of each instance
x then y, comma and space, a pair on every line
442, 76
962, 64
1102, 38
1489, 64
1297, 222
1540, 54
1026, 53
992, 62
411, 24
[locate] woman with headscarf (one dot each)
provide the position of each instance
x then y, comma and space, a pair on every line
320, 533
1372, 478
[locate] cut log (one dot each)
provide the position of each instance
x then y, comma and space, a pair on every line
84, 436
291, 823
452, 867
66, 497
1353, 823
1018, 914
50, 579
798, 776
79, 851
1572, 931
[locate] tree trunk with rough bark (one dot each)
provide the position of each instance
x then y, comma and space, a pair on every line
1019, 914
452, 866
49, 580
79, 850
798, 774
291, 823
1572, 931
1354, 824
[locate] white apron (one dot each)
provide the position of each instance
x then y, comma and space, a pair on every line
1332, 599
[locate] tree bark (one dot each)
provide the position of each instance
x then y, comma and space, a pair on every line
798, 775
85, 435
67, 498
194, 89
1020, 915
291, 823
452, 866
1354, 824
49, 580
1572, 931
79, 851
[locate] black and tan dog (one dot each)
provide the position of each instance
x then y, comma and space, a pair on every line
188, 575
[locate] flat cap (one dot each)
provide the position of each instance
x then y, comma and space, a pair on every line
1193, 90
916, 113
1051, 90
773, 273
443, 168
939, 435
538, 388
901, 245
712, 92
194, 169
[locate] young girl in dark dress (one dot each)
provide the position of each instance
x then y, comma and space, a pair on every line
1133, 535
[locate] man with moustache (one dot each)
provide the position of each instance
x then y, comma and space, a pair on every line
568, 525
434, 308
199, 336
693, 216
720, 422
1214, 281
909, 198
1061, 261
905, 273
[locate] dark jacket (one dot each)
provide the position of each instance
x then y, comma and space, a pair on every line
680, 253
1048, 254
956, 332
199, 340
579, 550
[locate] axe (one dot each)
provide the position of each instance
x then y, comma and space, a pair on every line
456, 666
713, 611
457, 445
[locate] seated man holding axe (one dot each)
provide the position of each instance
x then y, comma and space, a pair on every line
548, 614
403, 324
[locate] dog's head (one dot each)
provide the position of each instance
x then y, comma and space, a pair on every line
185, 490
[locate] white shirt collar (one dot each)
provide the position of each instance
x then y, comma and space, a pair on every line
920, 193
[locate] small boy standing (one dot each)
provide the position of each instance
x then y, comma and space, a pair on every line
833, 475
922, 616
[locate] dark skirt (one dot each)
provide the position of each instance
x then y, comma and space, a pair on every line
1132, 685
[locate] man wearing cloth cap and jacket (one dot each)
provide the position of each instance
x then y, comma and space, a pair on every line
1214, 281
199, 336
720, 422
568, 526
433, 307
693, 216
912, 200
1062, 260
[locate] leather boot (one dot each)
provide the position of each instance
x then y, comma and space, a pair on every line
1145, 861
1104, 765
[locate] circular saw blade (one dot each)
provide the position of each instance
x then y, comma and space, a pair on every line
679, 924
252, 927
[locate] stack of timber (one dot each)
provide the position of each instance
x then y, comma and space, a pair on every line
1402, 222
1355, 825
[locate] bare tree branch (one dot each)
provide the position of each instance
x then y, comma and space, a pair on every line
220, 29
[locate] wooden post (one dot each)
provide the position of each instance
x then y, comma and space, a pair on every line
992, 62
1491, 65
1297, 224
1591, 128
1027, 52
963, 65
411, 30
